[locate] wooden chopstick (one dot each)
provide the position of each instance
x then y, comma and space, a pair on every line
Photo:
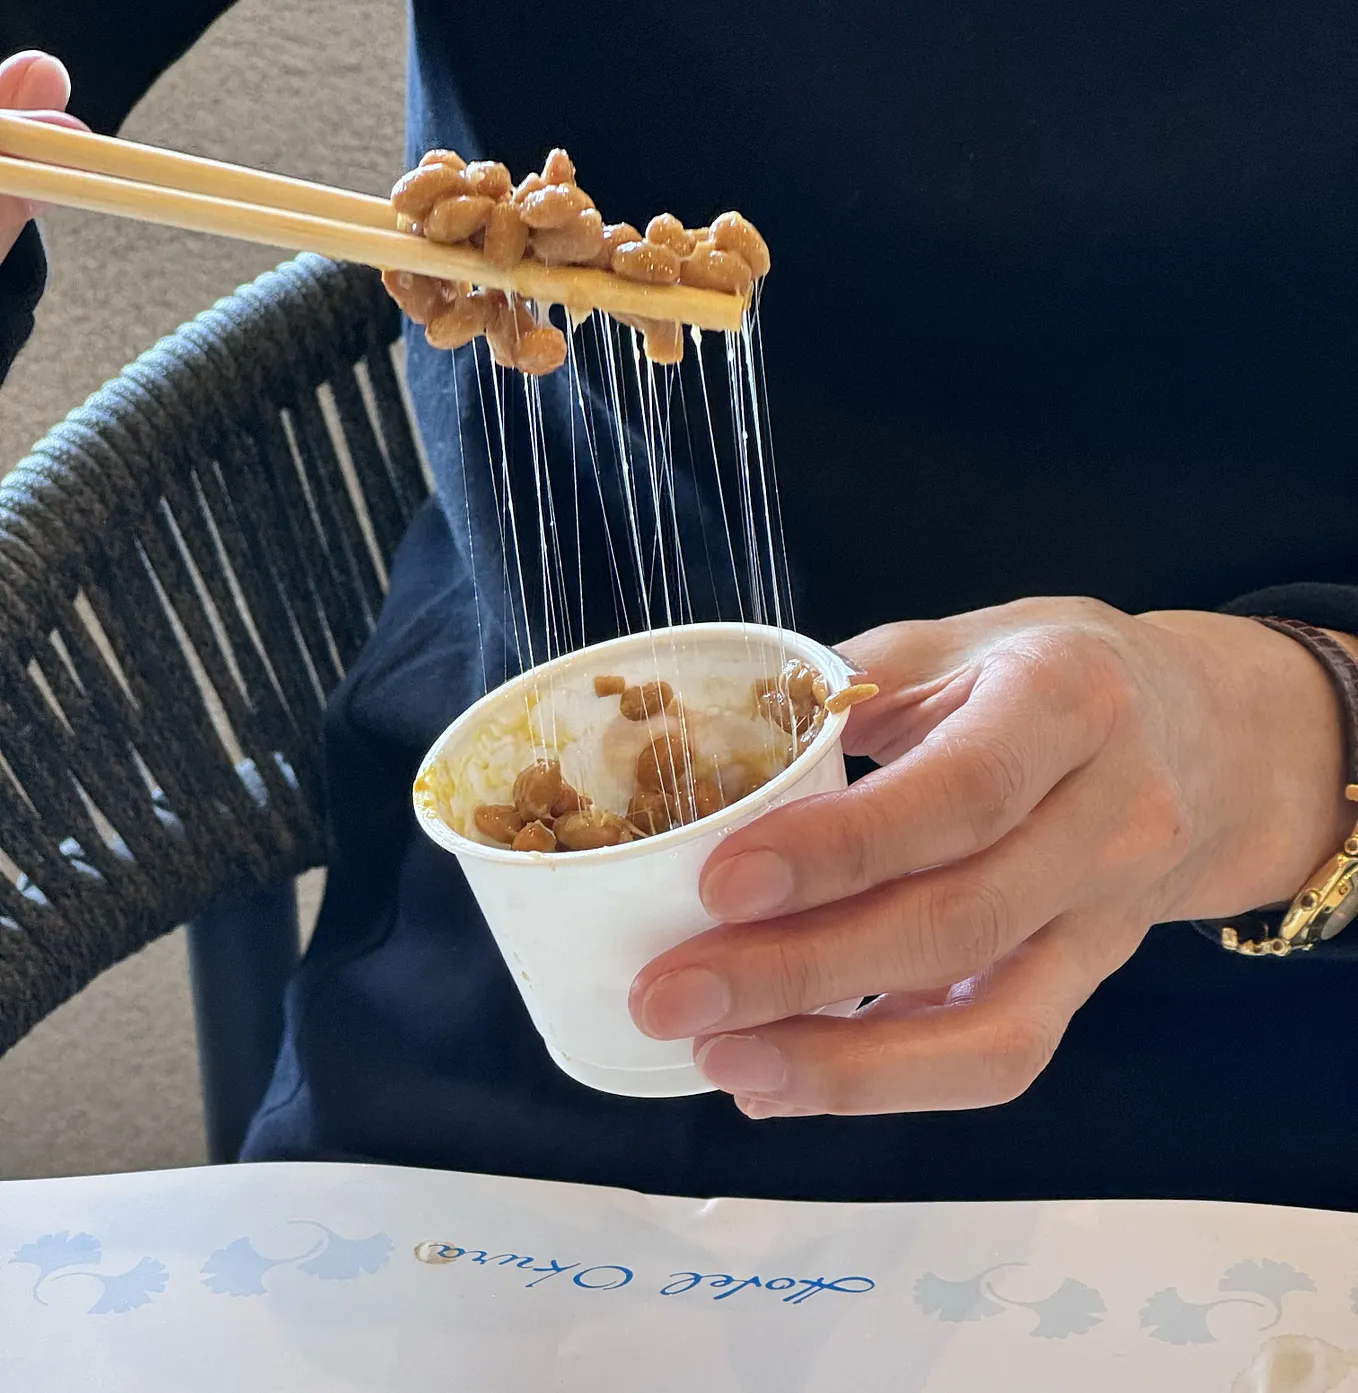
168, 169
103, 175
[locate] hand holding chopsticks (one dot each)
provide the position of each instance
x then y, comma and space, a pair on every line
38, 84
104, 175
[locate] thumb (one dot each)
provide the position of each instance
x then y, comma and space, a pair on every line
34, 81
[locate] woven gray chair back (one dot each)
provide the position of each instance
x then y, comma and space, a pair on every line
188, 564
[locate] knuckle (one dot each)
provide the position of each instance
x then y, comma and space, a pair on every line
851, 844
1078, 672
1096, 667
1017, 1049
964, 927
986, 779
794, 979
1086, 610
1080, 648
1109, 679
1064, 659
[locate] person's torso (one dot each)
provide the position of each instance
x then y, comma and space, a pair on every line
1062, 300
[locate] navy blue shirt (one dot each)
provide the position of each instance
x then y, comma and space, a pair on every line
1063, 301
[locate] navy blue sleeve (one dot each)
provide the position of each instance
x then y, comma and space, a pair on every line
1325, 605
23, 273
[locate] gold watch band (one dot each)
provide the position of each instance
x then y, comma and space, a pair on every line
1326, 905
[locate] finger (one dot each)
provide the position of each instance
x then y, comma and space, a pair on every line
756, 1109
900, 651
15, 212
55, 118
982, 1053
922, 675
900, 1005
918, 934
33, 81
925, 670
1024, 726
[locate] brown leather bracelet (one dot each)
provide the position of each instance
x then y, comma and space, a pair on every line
1343, 672
1329, 900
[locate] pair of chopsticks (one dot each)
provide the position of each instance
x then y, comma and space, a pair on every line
99, 174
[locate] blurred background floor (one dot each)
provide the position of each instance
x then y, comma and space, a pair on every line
307, 87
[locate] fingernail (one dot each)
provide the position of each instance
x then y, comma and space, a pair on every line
749, 886
758, 1109
36, 88
684, 1003
761, 1109
741, 1064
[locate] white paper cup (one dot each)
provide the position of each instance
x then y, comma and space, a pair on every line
575, 928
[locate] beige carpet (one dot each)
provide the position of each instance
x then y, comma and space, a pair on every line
307, 87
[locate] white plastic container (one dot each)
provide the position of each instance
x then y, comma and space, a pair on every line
576, 927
